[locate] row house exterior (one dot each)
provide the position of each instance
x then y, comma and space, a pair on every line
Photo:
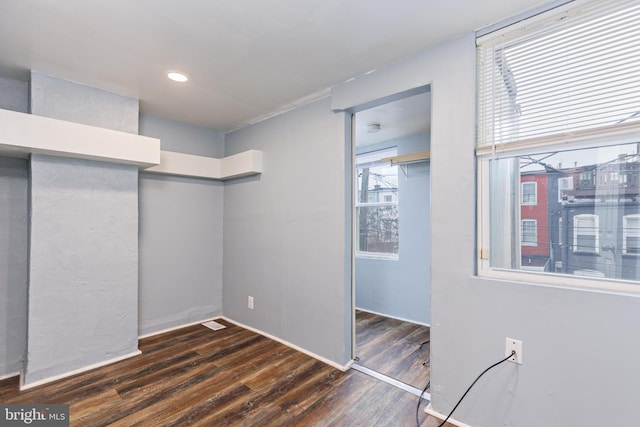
583, 220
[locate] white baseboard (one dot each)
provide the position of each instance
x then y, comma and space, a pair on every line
74, 372
293, 346
393, 317
4, 377
174, 328
429, 410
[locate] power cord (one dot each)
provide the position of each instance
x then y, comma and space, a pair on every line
513, 353
424, 390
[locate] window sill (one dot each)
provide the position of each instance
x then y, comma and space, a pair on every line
382, 257
562, 281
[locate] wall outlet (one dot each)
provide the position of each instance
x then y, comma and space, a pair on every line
250, 302
514, 345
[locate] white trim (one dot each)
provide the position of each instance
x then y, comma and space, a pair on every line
175, 328
74, 372
429, 410
399, 384
5, 376
343, 368
22, 134
394, 317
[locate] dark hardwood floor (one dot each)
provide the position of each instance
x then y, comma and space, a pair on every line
233, 377
392, 347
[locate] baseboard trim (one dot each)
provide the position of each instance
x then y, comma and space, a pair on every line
429, 410
6, 376
393, 317
343, 368
74, 372
175, 328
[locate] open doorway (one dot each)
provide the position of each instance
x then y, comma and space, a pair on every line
392, 238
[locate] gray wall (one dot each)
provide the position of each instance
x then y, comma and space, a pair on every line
83, 265
400, 288
580, 346
13, 241
180, 233
65, 100
14, 95
285, 232
13, 264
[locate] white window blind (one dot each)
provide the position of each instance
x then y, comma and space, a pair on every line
571, 72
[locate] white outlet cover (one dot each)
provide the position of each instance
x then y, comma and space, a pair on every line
511, 345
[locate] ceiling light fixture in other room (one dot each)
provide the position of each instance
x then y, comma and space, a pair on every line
374, 128
177, 76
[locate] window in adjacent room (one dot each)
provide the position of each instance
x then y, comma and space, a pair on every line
558, 147
377, 204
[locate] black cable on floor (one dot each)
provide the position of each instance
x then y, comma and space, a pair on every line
513, 353
420, 400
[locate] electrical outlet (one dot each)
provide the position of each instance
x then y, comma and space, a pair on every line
250, 302
514, 345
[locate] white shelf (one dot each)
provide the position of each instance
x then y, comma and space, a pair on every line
22, 134
242, 164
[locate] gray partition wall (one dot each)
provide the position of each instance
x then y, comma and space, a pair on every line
83, 241
83, 265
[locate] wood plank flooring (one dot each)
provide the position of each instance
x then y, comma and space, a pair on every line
392, 347
233, 377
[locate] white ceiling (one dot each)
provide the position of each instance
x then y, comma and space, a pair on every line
397, 119
247, 59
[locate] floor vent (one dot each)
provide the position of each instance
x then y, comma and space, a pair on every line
214, 325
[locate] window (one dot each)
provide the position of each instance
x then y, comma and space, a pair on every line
558, 136
585, 233
631, 235
565, 184
377, 205
529, 193
529, 232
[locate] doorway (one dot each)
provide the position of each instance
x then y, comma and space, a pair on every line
392, 238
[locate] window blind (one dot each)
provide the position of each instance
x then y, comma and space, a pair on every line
567, 73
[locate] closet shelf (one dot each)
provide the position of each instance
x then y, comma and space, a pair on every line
420, 156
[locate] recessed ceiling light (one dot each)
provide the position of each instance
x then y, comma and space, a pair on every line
177, 77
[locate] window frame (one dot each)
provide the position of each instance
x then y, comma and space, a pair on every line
373, 160
533, 202
595, 219
535, 232
592, 138
625, 234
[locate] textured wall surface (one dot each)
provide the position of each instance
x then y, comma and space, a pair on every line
74, 102
83, 285
180, 233
13, 264
14, 95
401, 288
